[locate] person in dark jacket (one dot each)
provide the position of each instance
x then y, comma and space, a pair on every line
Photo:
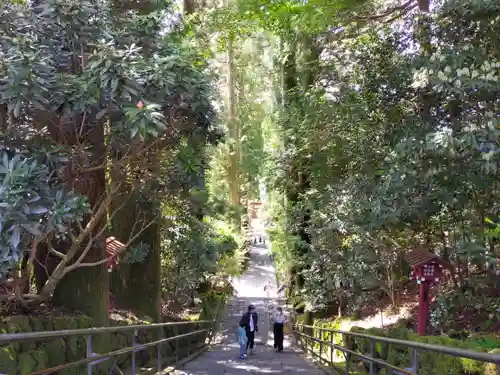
250, 321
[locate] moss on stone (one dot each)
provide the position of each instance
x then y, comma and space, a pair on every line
435, 363
8, 360
36, 324
56, 351
120, 341
16, 360
16, 347
72, 348
430, 363
328, 336
363, 345
115, 344
77, 370
399, 355
491, 368
72, 322
83, 322
61, 322
124, 339
50, 352
103, 367
41, 359
20, 324
469, 365
27, 363
47, 323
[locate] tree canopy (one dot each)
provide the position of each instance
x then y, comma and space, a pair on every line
374, 128
383, 137
106, 120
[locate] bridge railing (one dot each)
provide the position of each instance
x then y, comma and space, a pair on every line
204, 329
307, 342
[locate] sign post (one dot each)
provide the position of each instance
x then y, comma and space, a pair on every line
427, 271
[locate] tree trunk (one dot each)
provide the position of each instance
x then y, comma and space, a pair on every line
299, 168
288, 94
122, 224
144, 282
189, 7
137, 286
233, 125
85, 289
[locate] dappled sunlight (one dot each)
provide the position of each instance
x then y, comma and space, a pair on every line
258, 287
253, 368
260, 273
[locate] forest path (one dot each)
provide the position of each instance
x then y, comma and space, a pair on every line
223, 359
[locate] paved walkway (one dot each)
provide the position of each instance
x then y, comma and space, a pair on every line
223, 359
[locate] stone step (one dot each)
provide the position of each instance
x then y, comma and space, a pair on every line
223, 359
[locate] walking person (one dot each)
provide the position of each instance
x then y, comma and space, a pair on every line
249, 321
278, 326
242, 340
268, 288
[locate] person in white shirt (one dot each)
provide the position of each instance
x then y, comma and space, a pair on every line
279, 323
268, 289
250, 321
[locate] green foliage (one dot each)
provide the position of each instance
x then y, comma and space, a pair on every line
33, 205
392, 145
85, 92
213, 305
137, 254
195, 250
479, 301
490, 368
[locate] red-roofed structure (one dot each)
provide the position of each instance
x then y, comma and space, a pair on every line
113, 250
253, 209
420, 256
427, 270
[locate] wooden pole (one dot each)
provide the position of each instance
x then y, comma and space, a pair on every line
423, 308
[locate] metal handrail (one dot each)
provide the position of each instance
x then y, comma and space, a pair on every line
8, 338
455, 352
462, 353
357, 354
97, 358
93, 359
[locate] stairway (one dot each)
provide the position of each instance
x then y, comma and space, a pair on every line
223, 359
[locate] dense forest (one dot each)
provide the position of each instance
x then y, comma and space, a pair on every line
108, 134
388, 141
373, 128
